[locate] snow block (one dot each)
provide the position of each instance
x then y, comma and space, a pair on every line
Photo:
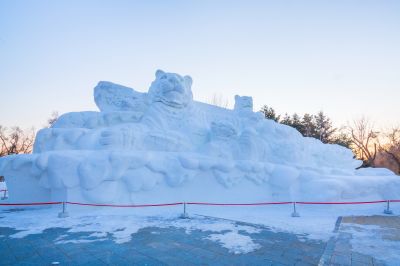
163, 146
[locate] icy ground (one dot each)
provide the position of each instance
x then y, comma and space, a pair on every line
375, 236
315, 223
121, 224
368, 239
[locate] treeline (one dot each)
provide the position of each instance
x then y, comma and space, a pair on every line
317, 126
375, 148
16, 140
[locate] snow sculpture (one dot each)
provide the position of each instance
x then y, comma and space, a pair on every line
163, 146
243, 103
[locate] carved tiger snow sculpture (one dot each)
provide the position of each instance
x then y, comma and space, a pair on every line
164, 146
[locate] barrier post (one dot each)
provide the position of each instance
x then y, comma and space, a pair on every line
184, 215
387, 210
64, 213
295, 213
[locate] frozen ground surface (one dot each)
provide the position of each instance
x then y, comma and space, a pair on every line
126, 239
246, 235
377, 236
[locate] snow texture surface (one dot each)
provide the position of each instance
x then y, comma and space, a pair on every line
122, 226
162, 146
374, 241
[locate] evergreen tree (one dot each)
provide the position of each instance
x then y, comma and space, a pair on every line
287, 120
342, 139
324, 128
309, 128
296, 123
269, 113
317, 126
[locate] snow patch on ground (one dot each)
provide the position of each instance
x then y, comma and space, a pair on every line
122, 226
374, 241
315, 222
235, 242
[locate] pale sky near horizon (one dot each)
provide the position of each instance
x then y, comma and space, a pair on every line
342, 57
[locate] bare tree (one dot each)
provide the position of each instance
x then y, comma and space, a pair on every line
52, 119
364, 139
219, 100
389, 151
15, 140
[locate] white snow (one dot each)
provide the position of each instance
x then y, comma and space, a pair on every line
315, 222
236, 243
122, 225
162, 146
374, 241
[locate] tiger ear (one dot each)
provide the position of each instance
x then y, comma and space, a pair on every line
159, 72
188, 81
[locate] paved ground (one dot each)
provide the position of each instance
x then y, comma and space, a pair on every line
155, 246
173, 246
339, 249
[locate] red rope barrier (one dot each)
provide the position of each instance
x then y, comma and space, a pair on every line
125, 206
30, 204
239, 204
342, 202
199, 203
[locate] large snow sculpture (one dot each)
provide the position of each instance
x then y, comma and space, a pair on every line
163, 146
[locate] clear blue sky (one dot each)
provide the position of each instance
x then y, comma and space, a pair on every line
297, 56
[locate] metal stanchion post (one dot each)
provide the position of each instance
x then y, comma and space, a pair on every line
387, 210
184, 214
295, 213
64, 212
